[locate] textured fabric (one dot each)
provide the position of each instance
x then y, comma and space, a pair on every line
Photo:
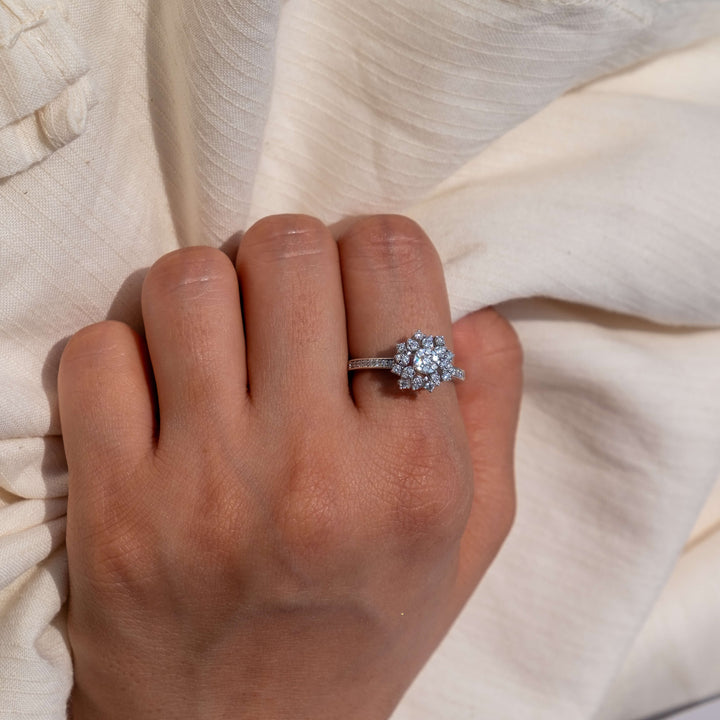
675, 659
45, 92
564, 156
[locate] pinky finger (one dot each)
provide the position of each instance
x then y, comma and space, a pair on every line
487, 347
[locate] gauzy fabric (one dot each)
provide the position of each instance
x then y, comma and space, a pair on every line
564, 156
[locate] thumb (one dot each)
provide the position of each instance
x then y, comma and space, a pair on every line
488, 349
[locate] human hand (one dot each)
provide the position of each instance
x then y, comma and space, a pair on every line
258, 539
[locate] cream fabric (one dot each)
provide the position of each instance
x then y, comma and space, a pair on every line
585, 207
676, 657
45, 92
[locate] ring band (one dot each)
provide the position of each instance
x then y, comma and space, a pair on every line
421, 362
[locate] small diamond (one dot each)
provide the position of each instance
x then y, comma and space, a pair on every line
404, 384
417, 383
400, 348
435, 379
419, 335
397, 370
428, 342
426, 361
399, 359
412, 344
446, 375
439, 340
408, 372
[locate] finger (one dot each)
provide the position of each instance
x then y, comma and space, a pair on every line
394, 285
193, 324
294, 313
490, 351
105, 395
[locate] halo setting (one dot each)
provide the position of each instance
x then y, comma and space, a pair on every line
423, 362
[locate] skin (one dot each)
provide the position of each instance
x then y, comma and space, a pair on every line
250, 535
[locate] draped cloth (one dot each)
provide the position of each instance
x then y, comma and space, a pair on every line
564, 156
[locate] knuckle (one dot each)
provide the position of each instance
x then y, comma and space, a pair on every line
498, 511
96, 337
501, 338
505, 514
432, 493
279, 237
309, 514
393, 241
505, 340
308, 525
101, 345
114, 548
122, 562
188, 271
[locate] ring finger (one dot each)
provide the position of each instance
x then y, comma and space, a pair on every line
394, 285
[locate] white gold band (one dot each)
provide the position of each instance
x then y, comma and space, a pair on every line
371, 364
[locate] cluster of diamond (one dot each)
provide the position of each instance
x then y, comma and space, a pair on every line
423, 361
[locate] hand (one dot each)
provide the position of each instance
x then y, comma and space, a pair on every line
257, 538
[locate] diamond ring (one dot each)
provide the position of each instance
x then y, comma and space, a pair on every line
422, 361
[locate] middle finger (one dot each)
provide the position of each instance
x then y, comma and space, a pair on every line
294, 314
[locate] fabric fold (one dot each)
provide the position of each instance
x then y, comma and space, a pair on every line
46, 92
377, 103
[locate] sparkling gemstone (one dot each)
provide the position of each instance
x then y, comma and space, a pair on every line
399, 359
417, 383
400, 348
412, 344
407, 372
404, 384
446, 375
426, 361
419, 336
397, 370
439, 340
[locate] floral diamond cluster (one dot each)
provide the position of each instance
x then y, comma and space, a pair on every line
423, 361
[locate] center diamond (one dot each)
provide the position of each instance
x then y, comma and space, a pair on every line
426, 361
